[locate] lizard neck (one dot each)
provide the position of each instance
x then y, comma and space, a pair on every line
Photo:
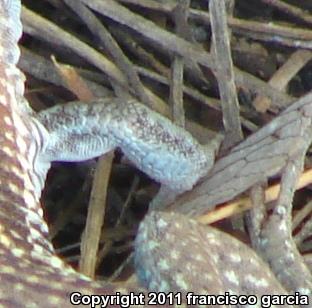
19, 196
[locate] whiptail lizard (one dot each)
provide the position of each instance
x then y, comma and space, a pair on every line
172, 252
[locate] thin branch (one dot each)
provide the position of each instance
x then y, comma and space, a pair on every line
225, 74
99, 31
283, 75
280, 250
177, 67
47, 31
290, 10
260, 156
280, 34
171, 42
244, 203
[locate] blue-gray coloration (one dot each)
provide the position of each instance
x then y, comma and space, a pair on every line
11, 30
173, 253
164, 151
222, 264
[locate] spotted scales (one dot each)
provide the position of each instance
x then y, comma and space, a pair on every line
31, 274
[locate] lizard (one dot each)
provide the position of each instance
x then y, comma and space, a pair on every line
31, 274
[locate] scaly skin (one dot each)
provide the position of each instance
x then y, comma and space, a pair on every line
31, 275
79, 131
